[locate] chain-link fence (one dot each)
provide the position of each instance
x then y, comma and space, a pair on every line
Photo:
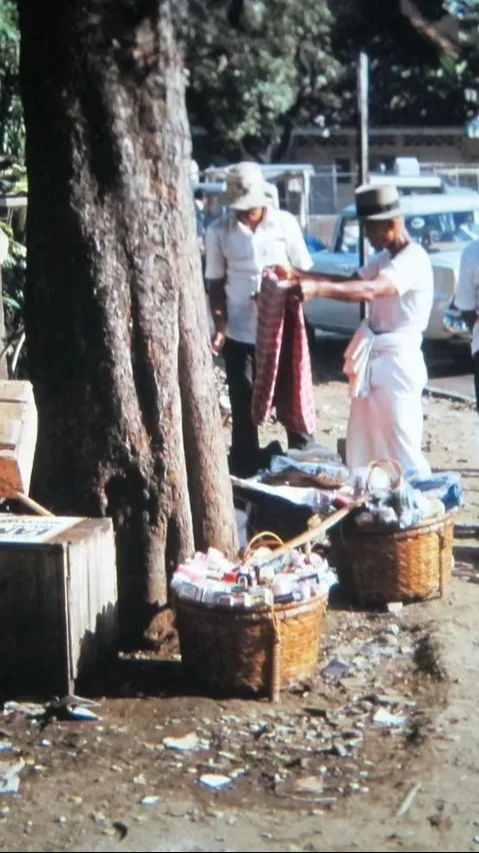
331, 189
458, 175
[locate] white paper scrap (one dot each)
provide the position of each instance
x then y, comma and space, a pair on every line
188, 741
215, 780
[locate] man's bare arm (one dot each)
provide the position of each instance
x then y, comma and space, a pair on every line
315, 286
217, 300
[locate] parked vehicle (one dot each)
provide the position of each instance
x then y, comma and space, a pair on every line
410, 185
442, 223
408, 178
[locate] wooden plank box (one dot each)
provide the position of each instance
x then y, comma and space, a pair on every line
18, 436
58, 602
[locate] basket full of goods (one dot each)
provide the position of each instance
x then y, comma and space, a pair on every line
253, 626
397, 545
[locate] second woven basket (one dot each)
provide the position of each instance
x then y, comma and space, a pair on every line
377, 566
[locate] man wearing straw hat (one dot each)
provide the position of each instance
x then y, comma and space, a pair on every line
250, 236
384, 360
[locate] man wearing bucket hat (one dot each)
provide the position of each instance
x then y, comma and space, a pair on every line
250, 236
384, 360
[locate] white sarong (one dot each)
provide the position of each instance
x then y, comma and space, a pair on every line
387, 375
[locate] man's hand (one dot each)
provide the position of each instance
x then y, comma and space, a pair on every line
285, 273
217, 342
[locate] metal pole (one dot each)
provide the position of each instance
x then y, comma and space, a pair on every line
363, 148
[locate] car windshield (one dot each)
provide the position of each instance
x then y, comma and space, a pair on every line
435, 231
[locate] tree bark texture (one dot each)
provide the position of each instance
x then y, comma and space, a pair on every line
115, 308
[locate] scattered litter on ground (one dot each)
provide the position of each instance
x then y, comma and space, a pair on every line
335, 668
150, 800
215, 780
10, 776
385, 718
395, 607
184, 743
408, 799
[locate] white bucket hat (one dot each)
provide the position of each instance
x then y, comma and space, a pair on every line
377, 202
245, 187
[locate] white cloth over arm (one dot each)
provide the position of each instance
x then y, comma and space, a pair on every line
356, 360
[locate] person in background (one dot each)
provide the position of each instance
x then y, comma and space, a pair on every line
467, 300
384, 360
250, 236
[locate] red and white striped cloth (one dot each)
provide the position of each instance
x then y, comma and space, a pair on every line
283, 365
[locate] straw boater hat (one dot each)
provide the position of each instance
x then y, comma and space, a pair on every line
377, 202
245, 187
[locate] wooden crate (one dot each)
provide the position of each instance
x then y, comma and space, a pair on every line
18, 436
58, 603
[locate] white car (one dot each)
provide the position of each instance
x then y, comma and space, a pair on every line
442, 223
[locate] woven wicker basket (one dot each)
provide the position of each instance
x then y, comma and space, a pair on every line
375, 567
245, 652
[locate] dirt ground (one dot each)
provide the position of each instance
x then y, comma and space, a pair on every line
380, 751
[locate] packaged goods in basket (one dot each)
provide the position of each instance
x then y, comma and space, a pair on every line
262, 580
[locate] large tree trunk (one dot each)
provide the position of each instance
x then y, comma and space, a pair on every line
115, 305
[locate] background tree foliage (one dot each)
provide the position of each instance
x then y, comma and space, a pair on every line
256, 69
467, 15
259, 68
421, 59
12, 134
